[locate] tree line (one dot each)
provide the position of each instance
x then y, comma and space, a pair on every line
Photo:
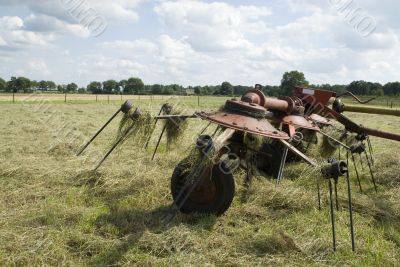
135, 86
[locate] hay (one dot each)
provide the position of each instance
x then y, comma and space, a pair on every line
136, 128
253, 141
175, 127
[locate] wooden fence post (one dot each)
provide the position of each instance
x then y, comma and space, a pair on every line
13, 97
108, 99
65, 97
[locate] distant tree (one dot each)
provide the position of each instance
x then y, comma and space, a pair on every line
51, 85
292, 79
3, 85
198, 90
122, 85
34, 85
156, 89
240, 89
24, 84
72, 87
134, 86
391, 88
81, 90
168, 90
95, 87
43, 86
271, 90
110, 87
226, 89
11, 85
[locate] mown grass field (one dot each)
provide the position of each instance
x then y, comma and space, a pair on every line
55, 211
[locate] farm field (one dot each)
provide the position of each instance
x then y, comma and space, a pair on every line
55, 211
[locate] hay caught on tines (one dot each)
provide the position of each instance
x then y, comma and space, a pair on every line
175, 127
137, 128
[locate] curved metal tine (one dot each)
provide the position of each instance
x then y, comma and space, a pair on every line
215, 132
370, 150
356, 98
98, 132
205, 128
371, 172
332, 214
350, 211
114, 146
361, 163
355, 168
158, 142
155, 123
318, 193
336, 195
282, 165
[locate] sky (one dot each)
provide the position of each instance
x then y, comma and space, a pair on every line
200, 42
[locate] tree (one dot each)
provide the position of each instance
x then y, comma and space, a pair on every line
11, 85
72, 87
198, 90
226, 89
134, 86
110, 86
292, 79
240, 89
122, 85
3, 85
51, 85
23, 84
95, 87
81, 90
156, 89
43, 86
392, 88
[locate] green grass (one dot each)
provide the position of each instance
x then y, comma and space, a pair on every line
55, 211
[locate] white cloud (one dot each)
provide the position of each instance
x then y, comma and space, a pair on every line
213, 26
204, 42
14, 35
38, 64
44, 23
136, 46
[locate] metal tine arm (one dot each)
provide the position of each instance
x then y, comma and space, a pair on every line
350, 211
124, 108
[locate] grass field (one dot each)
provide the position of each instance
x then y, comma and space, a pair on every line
55, 211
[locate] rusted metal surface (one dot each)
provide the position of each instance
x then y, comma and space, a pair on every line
245, 108
313, 96
254, 96
243, 123
319, 119
355, 128
299, 122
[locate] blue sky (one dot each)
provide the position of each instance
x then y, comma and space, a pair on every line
200, 42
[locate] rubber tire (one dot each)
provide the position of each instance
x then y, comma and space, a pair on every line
225, 187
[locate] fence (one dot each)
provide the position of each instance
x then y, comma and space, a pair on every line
390, 102
93, 98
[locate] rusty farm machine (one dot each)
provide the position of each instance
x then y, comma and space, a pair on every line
262, 134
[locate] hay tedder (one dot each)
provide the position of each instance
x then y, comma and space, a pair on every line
261, 135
